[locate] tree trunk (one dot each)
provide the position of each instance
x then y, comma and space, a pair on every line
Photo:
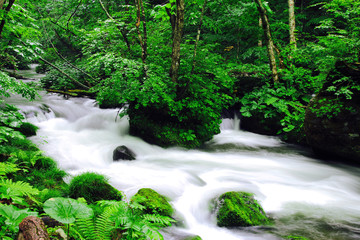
260, 44
175, 55
268, 39
292, 22
198, 35
7, 9
141, 18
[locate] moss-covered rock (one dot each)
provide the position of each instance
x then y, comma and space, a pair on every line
28, 129
239, 209
296, 238
193, 238
93, 187
153, 202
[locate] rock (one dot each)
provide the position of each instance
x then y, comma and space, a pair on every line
50, 222
153, 202
123, 153
32, 228
93, 187
239, 209
332, 122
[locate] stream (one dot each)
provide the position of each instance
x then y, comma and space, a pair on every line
303, 195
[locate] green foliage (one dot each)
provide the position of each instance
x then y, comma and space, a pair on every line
10, 85
121, 219
6, 168
93, 187
16, 191
13, 216
239, 209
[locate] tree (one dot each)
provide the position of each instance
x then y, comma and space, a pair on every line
292, 22
268, 39
178, 31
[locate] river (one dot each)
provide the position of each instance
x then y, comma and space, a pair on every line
303, 195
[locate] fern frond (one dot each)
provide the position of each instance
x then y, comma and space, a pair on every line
158, 220
86, 228
104, 225
6, 167
18, 188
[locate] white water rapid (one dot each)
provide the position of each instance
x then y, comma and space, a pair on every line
304, 196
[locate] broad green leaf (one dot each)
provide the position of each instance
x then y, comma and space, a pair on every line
66, 210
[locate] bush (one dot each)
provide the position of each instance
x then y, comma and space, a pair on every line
93, 187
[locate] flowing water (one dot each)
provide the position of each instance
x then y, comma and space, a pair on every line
303, 195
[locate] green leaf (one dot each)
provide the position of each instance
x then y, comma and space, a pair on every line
271, 100
67, 210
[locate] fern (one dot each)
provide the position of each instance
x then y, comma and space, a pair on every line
6, 168
16, 190
99, 228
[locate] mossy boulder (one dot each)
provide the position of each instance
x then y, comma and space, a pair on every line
239, 209
28, 129
93, 187
153, 202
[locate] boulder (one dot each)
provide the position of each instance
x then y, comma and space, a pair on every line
123, 153
332, 121
153, 202
32, 228
93, 187
239, 209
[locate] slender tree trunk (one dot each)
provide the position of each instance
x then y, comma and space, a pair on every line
175, 55
7, 9
141, 18
268, 39
292, 22
198, 35
260, 44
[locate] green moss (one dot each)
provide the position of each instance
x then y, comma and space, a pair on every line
296, 238
93, 187
153, 202
239, 209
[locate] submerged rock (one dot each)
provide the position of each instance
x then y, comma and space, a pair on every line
154, 202
123, 153
332, 120
239, 209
